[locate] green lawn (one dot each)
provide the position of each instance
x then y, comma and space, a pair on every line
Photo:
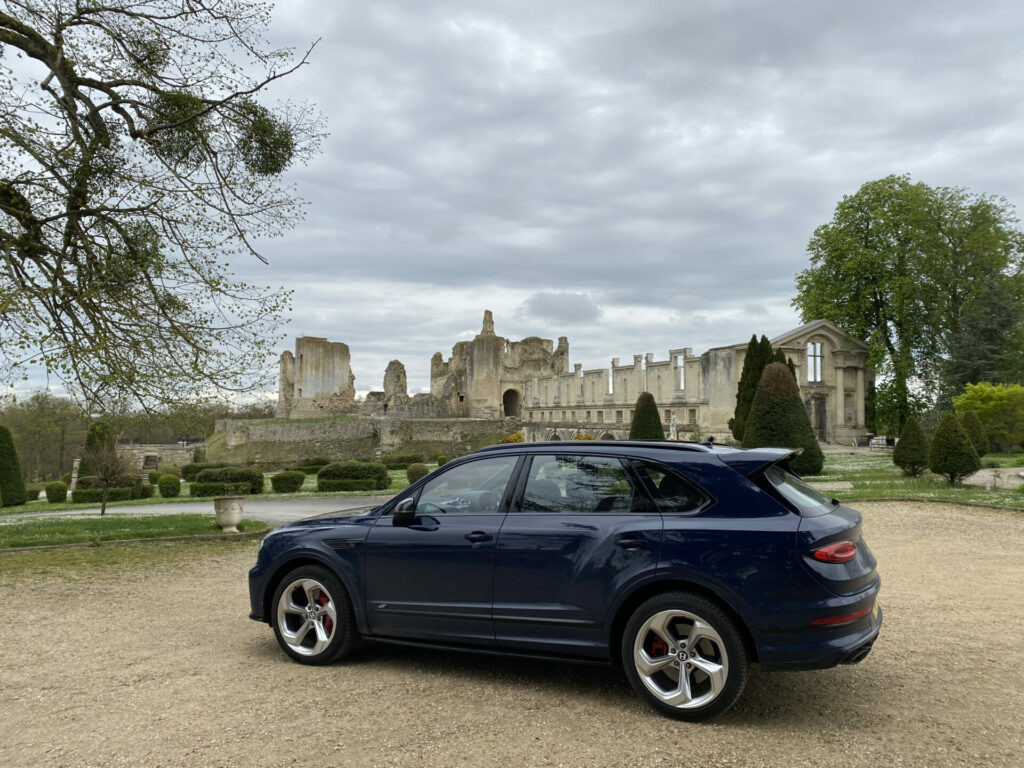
70, 530
874, 476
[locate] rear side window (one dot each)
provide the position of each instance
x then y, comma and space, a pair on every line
567, 484
807, 501
671, 492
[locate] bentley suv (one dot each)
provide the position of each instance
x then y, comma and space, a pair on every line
683, 563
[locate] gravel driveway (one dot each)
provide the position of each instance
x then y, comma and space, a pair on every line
156, 664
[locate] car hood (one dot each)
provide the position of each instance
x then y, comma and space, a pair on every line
356, 516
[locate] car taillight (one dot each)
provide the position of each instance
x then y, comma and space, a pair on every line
846, 618
837, 552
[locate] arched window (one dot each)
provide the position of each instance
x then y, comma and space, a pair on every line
815, 361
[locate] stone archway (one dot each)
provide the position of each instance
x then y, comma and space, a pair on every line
554, 436
607, 436
511, 403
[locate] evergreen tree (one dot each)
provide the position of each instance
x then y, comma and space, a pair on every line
746, 388
646, 424
911, 453
12, 484
778, 418
976, 432
951, 453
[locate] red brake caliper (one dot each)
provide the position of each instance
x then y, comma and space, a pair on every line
658, 648
328, 622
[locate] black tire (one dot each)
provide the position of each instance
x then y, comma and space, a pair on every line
678, 680
336, 635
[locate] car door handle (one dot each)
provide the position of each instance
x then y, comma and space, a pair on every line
630, 542
477, 536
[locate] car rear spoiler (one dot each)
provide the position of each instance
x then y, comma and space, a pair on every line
753, 459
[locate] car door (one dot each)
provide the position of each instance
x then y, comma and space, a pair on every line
579, 530
432, 579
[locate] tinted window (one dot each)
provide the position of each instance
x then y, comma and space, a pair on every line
808, 502
468, 489
577, 485
671, 492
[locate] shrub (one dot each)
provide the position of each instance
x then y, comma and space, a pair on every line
311, 469
415, 471
354, 470
87, 482
778, 418
976, 432
169, 485
646, 424
32, 491
143, 491
333, 486
189, 471
56, 492
95, 495
12, 484
399, 460
584, 436
200, 489
66, 478
154, 477
251, 475
999, 407
316, 461
951, 453
515, 437
287, 482
169, 469
911, 452
198, 457
441, 460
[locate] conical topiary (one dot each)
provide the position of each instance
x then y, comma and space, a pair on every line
778, 419
746, 387
951, 453
911, 452
12, 484
976, 432
646, 424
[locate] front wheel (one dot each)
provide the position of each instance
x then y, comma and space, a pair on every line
313, 618
684, 656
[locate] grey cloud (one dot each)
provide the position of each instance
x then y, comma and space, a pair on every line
563, 307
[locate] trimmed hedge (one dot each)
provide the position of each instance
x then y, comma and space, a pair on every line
56, 492
87, 482
251, 475
66, 478
190, 471
287, 482
169, 469
399, 460
154, 477
201, 490
32, 491
304, 469
12, 484
140, 491
315, 461
442, 460
95, 495
415, 471
169, 485
354, 470
366, 484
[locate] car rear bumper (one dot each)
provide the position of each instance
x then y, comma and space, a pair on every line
822, 648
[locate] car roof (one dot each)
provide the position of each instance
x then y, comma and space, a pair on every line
589, 446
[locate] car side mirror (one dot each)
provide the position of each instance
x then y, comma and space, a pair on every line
404, 513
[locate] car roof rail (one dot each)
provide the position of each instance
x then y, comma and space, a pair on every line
671, 444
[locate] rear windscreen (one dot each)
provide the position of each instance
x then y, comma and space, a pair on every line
807, 501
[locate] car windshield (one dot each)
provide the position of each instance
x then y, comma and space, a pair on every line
808, 502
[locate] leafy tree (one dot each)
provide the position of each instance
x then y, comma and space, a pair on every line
899, 265
111, 467
911, 452
12, 484
951, 453
972, 426
646, 424
135, 162
999, 408
48, 433
778, 418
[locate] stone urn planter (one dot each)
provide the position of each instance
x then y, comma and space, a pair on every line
228, 510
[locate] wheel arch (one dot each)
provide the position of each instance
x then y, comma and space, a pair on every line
646, 591
300, 559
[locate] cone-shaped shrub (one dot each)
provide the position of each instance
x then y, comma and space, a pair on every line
778, 418
646, 424
911, 453
975, 431
951, 453
12, 484
746, 387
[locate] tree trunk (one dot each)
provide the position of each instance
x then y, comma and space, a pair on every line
103, 504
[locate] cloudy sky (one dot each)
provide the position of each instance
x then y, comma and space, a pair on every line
635, 176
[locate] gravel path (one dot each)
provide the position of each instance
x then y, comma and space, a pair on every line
157, 665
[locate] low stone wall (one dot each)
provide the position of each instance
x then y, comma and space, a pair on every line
279, 442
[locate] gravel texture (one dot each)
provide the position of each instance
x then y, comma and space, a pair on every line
155, 664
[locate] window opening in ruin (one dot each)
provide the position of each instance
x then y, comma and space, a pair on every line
588, 415
815, 358
300, 391
600, 417
693, 415
682, 381
668, 416
511, 403
574, 415
462, 398
618, 417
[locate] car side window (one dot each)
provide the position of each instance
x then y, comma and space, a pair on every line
570, 484
474, 488
671, 492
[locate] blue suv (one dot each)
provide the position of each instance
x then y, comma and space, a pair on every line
683, 563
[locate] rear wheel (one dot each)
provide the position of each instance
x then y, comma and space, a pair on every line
685, 656
313, 618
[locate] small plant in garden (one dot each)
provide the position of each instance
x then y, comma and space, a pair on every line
441, 460
515, 437
353, 476
778, 418
975, 431
646, 424
288, 481
584, 436
169, 485
911, 452
415, 471
56, 492
951, 453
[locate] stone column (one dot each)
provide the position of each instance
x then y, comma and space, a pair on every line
860, 397
840, 397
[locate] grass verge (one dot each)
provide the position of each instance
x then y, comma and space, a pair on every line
78, 529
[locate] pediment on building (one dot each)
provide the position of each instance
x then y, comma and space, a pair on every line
799, 336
